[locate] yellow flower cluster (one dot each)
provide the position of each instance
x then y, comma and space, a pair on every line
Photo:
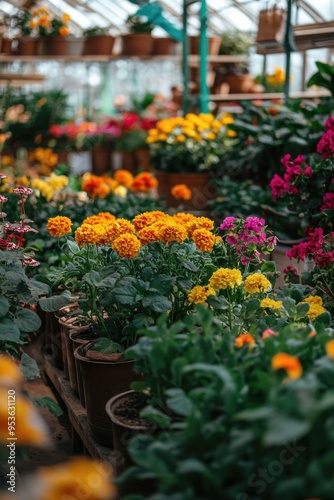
225, 278
316, 307
199, 294
49, 186
273, 304
31, 430
277, 77
202, 127
257, 283
44, 159
59, 226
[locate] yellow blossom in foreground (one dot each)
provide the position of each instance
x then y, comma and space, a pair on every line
59, 226
127, 246
274, 304
330, 349
75, 480
88, 234
30, 429
316, 307
199, 294
204, 240
224, 278
10, 373
244, 339
291, 364
171, 231
256, 283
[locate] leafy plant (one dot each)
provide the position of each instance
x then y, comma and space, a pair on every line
138, 24
324, 77
96, 31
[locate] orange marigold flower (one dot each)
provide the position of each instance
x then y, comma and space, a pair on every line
112, 183
171, 231
64, 31
127, 246
199, 294
65, 18
149, 234
291, 364
204, 240
116, 228
59, 226
144, 182
124, 177
199, 223
147, 218
78, 478
96, 186
181, 192
183, 218
99, 218
10, 373
224, 278
90, 234
243, 339
256, 283
330, 349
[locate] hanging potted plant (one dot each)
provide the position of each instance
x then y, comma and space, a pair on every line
98, 41
139, 41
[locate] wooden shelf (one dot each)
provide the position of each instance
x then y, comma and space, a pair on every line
77, 416
192, 58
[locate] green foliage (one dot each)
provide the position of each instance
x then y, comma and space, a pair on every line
138, 24
324, 77
96, 31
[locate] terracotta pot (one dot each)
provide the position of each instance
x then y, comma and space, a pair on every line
100, 45
214, 43
198, 183
138, 44
101, 159
60, 46
240, 84
6, 46
128, 161
123, 430
163, 46
27, 46
101, 381
142, 159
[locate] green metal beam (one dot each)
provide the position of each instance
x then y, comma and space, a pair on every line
185, 54
203, 60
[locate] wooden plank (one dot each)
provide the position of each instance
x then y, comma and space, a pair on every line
78, 416
192, 58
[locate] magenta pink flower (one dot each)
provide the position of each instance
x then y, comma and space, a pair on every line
228, 224
254, 224
328, 201
290, 269
3, 198
326, 144
329, 123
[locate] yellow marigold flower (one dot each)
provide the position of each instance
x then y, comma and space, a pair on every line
199, 294
10, 373
231, 133
316, 307
149, 234
121, 191
274, 304
204, 240
147, 218
330, 349
171, 231
183, 218
30, 429
181, 192
59, 226
150, 139
210, 136
127, 246
180, 138
291, 364
224, 278
218, 240
64, 31
124, 177
199, 223
79, 478
65, 18
153, 132
243, 339
256, 283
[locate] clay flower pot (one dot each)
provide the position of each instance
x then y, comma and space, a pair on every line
137, 44
27, 46
163, 46
61, 46
99, 45
214, 43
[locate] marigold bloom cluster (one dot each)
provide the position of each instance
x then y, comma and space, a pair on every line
181, 192
273, 304
59, 226
316, 307
127, 246
291, 364
102, 186
244, 339
199, 294
204, 240
257, 283
225, 278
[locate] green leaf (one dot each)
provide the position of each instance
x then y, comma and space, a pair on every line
297, 141
27, 320
192, 465
72, 246
147, 274
302, 310
125, 294
9, 331
190, 265
179, 402
163, 284
4, 306
52, 304
157, 303
157, 416
107, 346
29, 367
282, 428
50, 404
268, 266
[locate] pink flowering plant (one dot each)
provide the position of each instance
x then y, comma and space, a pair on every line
19, 293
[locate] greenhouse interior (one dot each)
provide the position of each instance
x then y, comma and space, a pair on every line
166, 249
